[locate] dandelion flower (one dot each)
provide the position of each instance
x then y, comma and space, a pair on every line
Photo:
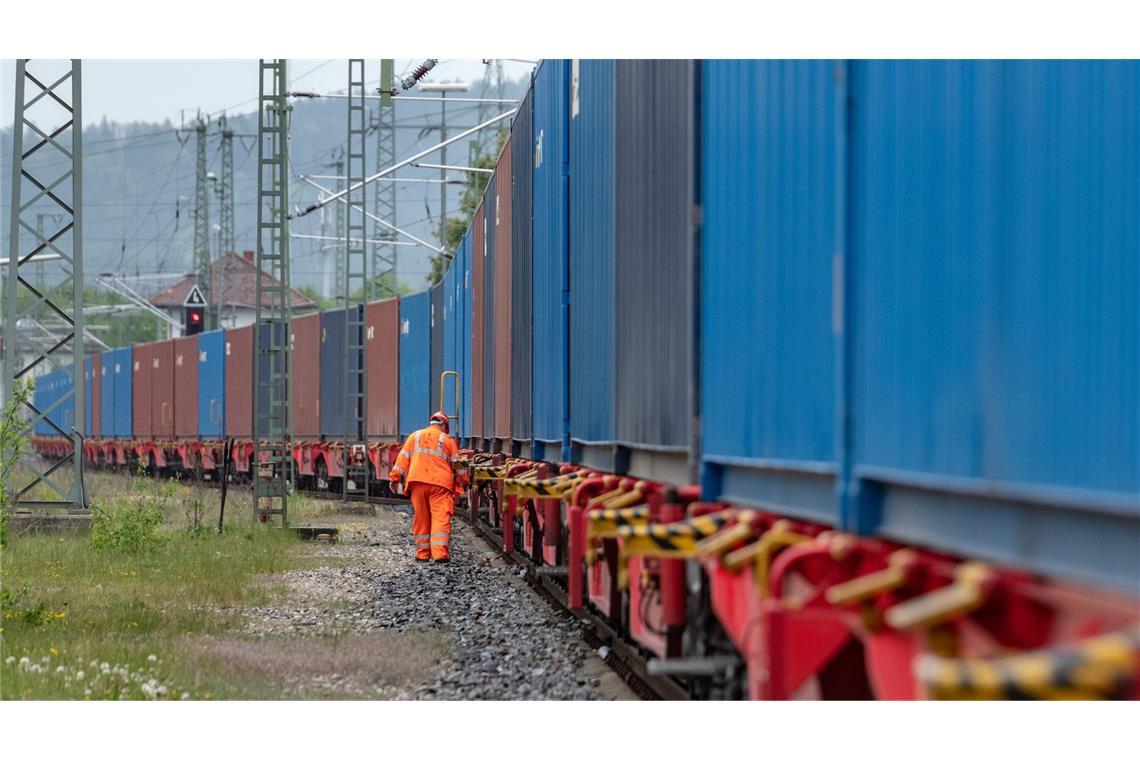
10, 660
185, 695
151, 658
79, 675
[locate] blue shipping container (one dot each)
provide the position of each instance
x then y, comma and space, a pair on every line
107, 393
768, 153
592, 262
88, 393
212, 384
415, 362
925, 292
122, 360
335, 403
994, 310
551, 276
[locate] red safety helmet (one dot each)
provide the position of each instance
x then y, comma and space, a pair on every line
439, 418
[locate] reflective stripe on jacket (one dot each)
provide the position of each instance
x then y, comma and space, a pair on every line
427, 457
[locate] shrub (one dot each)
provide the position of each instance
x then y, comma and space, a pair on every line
13, 443
130, 526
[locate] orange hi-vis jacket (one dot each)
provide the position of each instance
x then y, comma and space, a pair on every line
428, 456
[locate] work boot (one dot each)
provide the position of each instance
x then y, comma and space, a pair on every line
445, 559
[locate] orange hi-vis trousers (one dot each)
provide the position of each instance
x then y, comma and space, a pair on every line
431, 525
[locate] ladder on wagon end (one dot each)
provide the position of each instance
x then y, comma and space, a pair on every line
355, 290
272, 366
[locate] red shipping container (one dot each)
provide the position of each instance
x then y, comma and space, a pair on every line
239, 382
382, 354
186, 387
96, 400
305, 405
477, 325
502, 305
141, 426
162, 391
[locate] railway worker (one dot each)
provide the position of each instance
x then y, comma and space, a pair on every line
427, 464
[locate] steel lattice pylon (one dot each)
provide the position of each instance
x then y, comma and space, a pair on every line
272, 377
354, 286
202, 222
341, 215
37, 181
225, 214
384, 194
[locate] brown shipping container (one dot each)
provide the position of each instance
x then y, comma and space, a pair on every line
382, 353
162, 393
239, 382
503, 271
141, 391
96, 400
477, 325
306, 402
186, 387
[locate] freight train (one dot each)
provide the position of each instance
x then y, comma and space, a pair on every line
812, 378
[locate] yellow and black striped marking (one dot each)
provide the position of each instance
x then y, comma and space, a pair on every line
532, 488
1100, 668
490, 473
605, 523
677, 539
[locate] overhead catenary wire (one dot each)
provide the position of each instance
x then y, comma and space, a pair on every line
384, 172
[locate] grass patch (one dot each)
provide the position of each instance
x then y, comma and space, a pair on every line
109, 615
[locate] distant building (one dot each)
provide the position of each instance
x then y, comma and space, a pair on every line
233, 287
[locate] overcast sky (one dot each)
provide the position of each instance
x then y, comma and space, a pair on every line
152, 90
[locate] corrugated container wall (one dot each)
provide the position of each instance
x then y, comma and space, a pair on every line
41, 397
447, 360
107, 393
122, 365
93, 399
415, 362
437, 339
503, 303
142, 426
186, 387
550, 258
306, 351
592, 198
239, 382
465, 334
163, 393
490, 370
522, 185
478, 296
654, 315
88, 381
382, 351
334, 391
768, 153
212, 385
995, 309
